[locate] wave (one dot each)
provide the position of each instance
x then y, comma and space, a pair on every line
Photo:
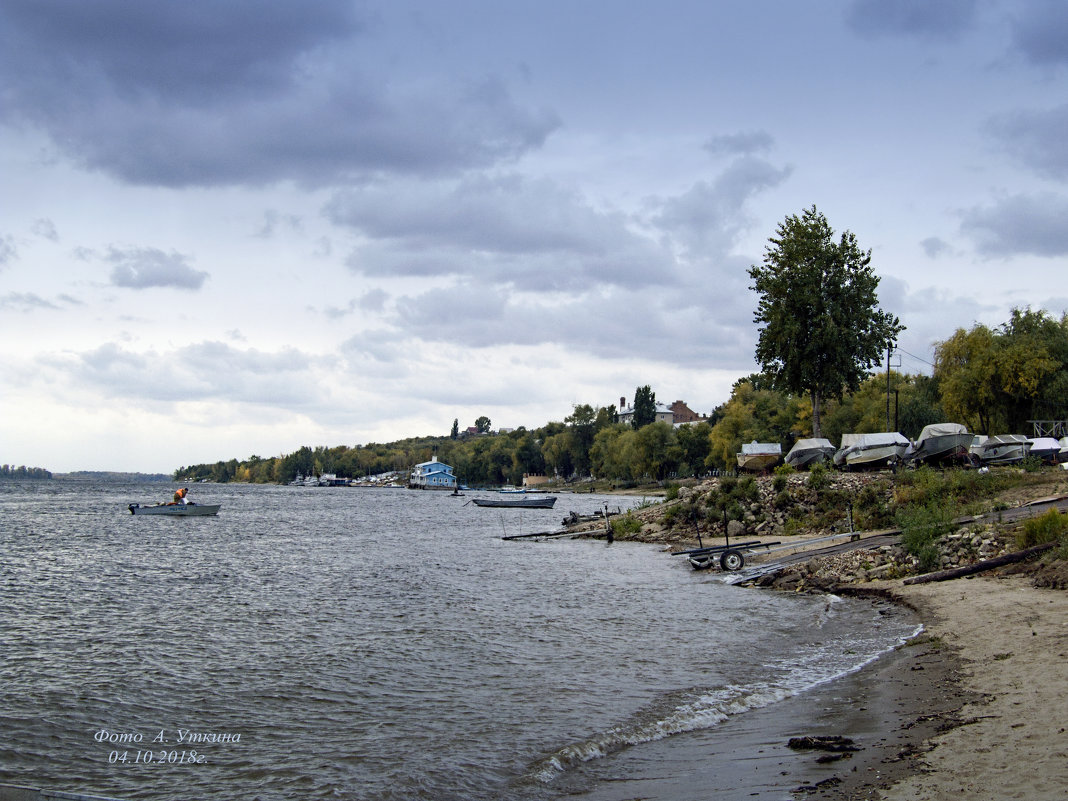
696, 710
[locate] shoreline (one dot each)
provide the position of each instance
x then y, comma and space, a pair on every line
976, 707
1011, 640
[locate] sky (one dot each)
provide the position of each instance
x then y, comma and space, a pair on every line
235, 228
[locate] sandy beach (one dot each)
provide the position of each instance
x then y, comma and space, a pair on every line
1011, 641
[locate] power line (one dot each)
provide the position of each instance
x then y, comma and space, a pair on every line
914, 356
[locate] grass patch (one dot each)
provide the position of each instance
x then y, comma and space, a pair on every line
626, 525
922, 526
1050, 527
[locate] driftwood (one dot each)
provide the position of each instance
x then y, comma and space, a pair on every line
829, 742
979, 567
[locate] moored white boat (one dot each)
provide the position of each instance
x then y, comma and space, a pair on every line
807, 452
1045, 448
1004, 449
757, 456
526, 502
176, 509
941, 442
871, 451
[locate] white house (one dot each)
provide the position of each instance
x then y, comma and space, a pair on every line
432, 475
663, 413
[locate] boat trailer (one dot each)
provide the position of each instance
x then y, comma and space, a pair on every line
729, 557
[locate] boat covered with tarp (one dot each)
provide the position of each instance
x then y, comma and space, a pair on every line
757, 456
810, 451
871, 451
1003, 449
943, 442
1045, 448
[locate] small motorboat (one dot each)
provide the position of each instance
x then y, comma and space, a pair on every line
943, 442
871, 451
176, 509
526, 502
758, 456
1004, 449
807, 452
1045, 448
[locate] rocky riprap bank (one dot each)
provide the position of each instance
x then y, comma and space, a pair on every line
823, 573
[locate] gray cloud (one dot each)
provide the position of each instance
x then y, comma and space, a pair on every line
145, 268
502, 229
944, 19
187, 53
1020, 224
1040, 32
200, 371
198, 94
46, 229
934, 247
1036, 139
273, 220
8, 252
745, 143
25, 302
708, 218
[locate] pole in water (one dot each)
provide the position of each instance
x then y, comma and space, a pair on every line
697, 525
726, 535
608, 527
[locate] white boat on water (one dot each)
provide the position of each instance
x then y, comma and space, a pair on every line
757, 456
942, 442
1045, 448
176, 509
1004, 449
807, 452
1062, 457
871, 451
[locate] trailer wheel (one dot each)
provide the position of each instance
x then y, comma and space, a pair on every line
732, 560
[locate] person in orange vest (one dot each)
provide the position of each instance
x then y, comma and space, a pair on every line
179, 496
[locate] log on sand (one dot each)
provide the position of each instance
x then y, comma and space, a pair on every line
979, 567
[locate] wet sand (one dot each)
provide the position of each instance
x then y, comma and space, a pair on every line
887, 710
976, 708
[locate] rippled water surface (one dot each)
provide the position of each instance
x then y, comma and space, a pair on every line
368, 644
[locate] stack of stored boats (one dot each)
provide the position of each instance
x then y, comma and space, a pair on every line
938, 444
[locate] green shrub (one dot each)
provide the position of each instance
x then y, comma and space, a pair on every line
748, 489
672, 492
1050, 527
922, 527
778, 483
783, 500
1031, 464
818, 477
671, 514
626, 525
870, 509
785, 470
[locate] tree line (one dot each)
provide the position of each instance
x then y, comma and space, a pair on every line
9, 471
994, 380
822, 334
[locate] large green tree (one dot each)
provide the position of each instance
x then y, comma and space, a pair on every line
997, 380
821, 325
644, 407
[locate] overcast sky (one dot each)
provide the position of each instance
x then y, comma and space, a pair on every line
238, 227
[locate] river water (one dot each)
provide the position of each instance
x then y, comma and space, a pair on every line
365, 644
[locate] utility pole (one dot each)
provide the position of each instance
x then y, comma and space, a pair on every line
889, 350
